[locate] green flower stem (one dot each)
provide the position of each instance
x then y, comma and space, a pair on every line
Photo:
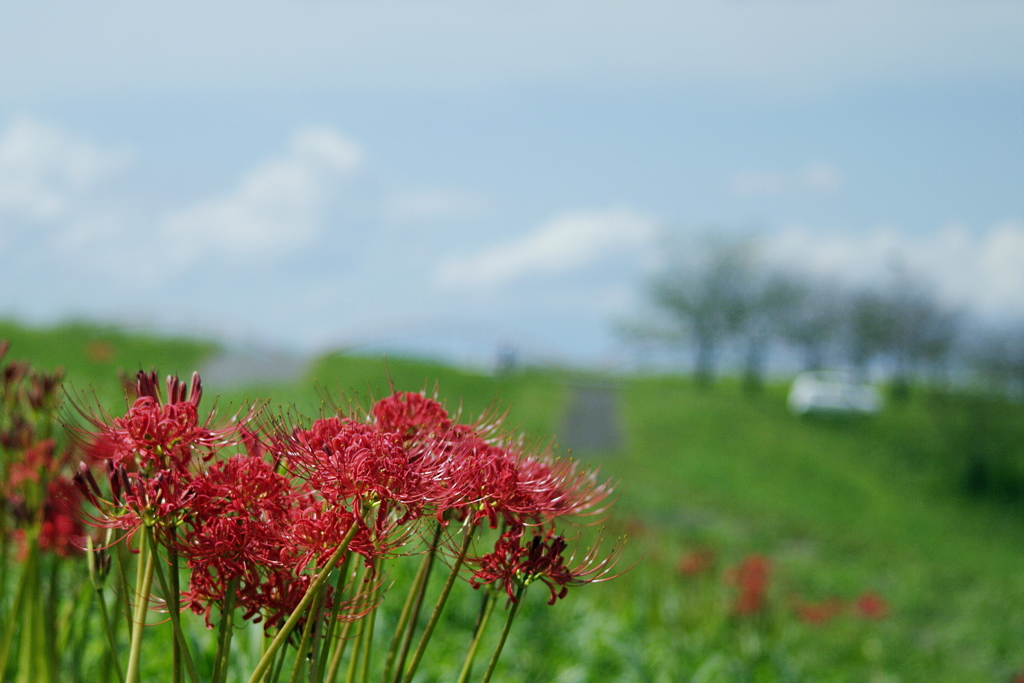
122, 577
31, 659
12, 617
421, 593
174, 611
504, 634
226, 630
144, 585
4, 563
307, 635
367, 646
48, 623
357, 651
293, 619
485, 614
321, 654
109, 630
278, 665
339, 650
172, 594
414, 598
439, 607
341, 643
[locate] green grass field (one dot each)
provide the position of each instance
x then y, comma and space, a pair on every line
920, 504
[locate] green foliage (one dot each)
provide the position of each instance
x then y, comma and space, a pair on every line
891, 504
94, 356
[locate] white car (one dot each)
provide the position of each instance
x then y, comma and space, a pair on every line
832, 392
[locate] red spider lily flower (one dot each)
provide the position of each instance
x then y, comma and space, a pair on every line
499, 480
353, 465
557, 487
157, 435
410, 415
513, 565
871, 605
235, 529
152, 453
695, 562
316, 529
818, 613
751, 577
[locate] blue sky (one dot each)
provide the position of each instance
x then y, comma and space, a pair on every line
451, 176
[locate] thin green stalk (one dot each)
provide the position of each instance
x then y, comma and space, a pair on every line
415, 593
286, 628
174, 610
30, 669
79, 634
341, 642
439, 607
12, 617
421, 592
504, 634
109, 630
225, 631
320, 656
173, 598
49, 619
357, 651
4, 564
144, 584
307, 636
367, 647
122, 577
278, 665
481, 625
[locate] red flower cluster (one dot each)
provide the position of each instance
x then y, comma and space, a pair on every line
258, 518
33, 486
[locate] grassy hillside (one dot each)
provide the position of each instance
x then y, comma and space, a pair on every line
919, 506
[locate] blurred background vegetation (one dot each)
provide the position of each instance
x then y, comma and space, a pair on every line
766, 547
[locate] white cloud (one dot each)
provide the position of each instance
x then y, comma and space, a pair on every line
982, 270
566, 243
429, 204
44, 171
817, 177
276, 206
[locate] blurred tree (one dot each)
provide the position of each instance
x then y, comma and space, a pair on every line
812, 317
706, 294
906, 324
999, 355
871, 329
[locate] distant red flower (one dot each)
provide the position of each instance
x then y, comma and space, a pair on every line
695, 562
99, 351
751, 578
871, 605
818, 613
